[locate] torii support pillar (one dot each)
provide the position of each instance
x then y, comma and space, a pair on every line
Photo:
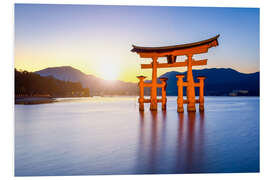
201, 97
163, 92
180, 100
153, 103
141, 98
190, 91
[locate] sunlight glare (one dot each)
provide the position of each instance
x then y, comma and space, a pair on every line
109, 72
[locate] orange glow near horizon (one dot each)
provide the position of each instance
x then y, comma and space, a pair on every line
114, 64
113, 72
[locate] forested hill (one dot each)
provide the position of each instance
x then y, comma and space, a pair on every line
28, 83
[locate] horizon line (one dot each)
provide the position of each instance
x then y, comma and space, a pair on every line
130, 81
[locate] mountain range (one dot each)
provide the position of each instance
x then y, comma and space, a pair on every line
97, 86
218, 82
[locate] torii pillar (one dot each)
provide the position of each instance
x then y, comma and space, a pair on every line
153, 104
163, 92
180, 99
141, 97
190, 90
201, 97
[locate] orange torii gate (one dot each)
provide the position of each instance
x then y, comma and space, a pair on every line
171, 53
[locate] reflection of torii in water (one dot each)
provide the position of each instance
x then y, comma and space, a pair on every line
193, 162
171, 53
186, 152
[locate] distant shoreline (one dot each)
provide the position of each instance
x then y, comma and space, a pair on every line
33, 100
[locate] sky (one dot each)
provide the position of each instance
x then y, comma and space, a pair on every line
97, 39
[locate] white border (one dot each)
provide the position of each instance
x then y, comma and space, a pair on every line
7, 85
227, 3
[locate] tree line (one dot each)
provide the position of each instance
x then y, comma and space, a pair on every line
32, 84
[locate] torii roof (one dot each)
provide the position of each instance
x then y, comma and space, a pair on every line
139, 49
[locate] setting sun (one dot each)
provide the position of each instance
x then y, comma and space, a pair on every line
109, 72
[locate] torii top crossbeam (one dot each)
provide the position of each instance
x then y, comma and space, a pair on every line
176, 50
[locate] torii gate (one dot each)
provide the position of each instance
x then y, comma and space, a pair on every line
171, 53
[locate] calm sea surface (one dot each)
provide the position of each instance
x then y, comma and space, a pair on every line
108, 135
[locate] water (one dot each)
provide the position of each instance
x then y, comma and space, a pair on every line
89, 136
